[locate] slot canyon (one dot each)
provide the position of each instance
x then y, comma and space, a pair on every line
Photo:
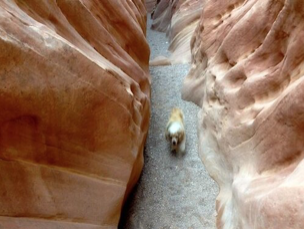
87, 87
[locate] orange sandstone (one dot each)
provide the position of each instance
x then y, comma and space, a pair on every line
75, 105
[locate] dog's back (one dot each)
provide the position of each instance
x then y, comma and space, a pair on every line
176, 115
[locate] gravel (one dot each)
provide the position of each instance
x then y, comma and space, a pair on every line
173, 192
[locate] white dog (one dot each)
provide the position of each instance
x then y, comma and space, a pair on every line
175, 131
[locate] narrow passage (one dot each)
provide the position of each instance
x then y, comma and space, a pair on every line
173, 192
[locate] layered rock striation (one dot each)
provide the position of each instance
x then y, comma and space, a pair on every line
247, 75
74, 96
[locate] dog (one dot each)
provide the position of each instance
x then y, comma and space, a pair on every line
175, 131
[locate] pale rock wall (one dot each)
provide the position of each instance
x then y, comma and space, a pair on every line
247, 75
150, 5
75, 106
178, 18
163, 13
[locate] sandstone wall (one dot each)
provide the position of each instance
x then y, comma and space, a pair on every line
74, 98
150, 5
178, 19
247, 75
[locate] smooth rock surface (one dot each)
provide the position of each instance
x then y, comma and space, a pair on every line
75, 104
247, 76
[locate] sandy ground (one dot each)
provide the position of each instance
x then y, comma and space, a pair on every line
173, 192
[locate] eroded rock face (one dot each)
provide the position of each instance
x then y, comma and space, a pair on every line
178, 19
74, 98
163, 14
150, 5
247, 75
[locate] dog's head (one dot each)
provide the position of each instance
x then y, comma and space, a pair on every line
176, 139
175, 134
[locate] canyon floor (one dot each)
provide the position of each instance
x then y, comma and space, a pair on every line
173, 192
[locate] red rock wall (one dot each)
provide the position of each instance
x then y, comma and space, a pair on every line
74, 98
247, 75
